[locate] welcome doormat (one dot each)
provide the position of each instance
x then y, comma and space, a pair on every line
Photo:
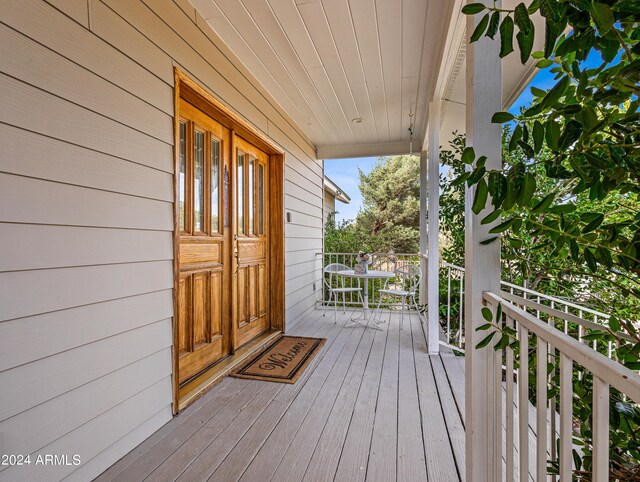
283, 361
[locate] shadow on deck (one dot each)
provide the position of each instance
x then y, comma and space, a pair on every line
373, 405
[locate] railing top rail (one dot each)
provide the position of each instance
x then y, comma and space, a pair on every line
542, 295
612, 372
328, 253
557, 300
562, 315
450, 265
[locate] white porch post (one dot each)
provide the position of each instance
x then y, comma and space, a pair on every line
433, 259
482, 264
423, 227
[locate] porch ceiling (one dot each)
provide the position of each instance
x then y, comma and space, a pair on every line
328, 62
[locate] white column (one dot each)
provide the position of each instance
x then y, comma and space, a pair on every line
433, 176
482, 263
423, 226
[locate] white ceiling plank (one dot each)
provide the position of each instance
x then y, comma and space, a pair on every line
365, 23
438, 14
318, 28
265, 19
289, 17
242, 21
414, 14
366, 150
294, 28
327, 62
390, 30
218, 22
327, 92
340, 22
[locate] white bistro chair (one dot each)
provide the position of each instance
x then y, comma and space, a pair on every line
406, 286
330, 273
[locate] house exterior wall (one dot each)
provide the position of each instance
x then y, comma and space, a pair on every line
86, 219
329, 206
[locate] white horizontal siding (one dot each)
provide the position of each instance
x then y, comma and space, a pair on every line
86, 218
329, 205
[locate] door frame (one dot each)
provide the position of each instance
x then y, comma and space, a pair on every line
190, 91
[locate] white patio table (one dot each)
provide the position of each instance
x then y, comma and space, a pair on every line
369, 275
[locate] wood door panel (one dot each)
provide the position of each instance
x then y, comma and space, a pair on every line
198, 361
216, 305
252, 250
262, 294
200, 253
243, 285
252, 292
184, 315
201, 311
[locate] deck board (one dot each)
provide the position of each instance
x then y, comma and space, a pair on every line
355, 451
439, 441
411, 455
371, 406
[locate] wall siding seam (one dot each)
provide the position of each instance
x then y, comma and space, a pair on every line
168, 114
89, 265
164, 141
81, 146
93, 473
148, 382
119, 193
88, 226
103, 338
293, 209
87, 304
26, 409
302, 315
291, 196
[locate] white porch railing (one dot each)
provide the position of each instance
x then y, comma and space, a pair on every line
572, 318
562, 351
381, 261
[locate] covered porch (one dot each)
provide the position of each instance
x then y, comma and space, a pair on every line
90, 269
373, 405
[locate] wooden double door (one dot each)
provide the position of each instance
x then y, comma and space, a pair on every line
223, 241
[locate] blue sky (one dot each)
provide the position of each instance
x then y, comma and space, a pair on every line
344, 172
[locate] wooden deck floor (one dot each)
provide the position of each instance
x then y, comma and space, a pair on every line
373, 405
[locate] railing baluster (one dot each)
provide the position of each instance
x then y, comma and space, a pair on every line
580, 327
566, 418
600, 424
523, 404
509, 409
449, 305
541, 409
553, 430
497, 406
460, 322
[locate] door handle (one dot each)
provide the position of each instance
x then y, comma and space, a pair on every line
235, 254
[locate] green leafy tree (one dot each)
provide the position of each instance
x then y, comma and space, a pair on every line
587, 127
390, 217
341, 237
